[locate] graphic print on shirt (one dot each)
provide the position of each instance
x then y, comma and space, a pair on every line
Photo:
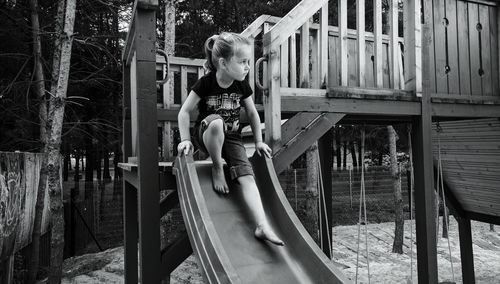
228, 107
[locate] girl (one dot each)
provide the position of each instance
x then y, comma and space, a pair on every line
219, 96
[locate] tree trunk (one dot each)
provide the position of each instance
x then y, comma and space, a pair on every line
67, 162
337, 144
353, 154
397, 246
76, 178
40, 91
344, 161
89, 159
105, 156
310, 210
97, 160
56, 114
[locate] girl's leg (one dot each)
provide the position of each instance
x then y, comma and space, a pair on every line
251, 197
213, 138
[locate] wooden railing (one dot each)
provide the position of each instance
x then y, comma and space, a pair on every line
316, 69
183, 72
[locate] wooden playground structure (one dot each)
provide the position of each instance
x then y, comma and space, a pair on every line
315, 76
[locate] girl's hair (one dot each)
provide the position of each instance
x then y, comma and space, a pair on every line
222, 46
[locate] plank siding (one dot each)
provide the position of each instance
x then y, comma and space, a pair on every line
452, 38
473, 13
440, 47
484, 18
470, 152
494, 49
333, 61
463, 48
432, 67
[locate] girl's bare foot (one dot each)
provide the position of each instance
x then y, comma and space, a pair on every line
219, 180
264, 232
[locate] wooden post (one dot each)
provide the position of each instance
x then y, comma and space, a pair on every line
325, 147
251, 73
466, 251
272, 102
360, 26
147, 153
423, 165
129, 192
304, 56
323, 47
284, 64
344, 75
377, 31
293, 61
393, 43
314, 58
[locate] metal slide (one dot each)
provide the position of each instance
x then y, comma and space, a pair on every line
221, 231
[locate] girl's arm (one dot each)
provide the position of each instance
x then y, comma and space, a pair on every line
253, 116
184, 121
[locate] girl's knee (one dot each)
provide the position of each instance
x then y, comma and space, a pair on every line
216, 127
246, 179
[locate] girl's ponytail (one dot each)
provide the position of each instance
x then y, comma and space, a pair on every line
209, 44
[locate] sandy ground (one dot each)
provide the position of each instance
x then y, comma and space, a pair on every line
384, 266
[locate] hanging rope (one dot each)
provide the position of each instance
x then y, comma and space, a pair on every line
362, 205
323, 202
412, 183
441, 189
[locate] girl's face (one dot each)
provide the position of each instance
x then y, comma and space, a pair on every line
239, 65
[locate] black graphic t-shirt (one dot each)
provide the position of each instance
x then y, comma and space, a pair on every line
222, 101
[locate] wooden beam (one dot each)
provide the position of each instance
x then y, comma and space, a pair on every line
323, 46
371, 92
377, 30
292, 21
298, 143
130, 226
423, 166
325, 148
314, 55
483, 218
147, 153
174, 255
255, 26
350, 106
393, 43
343, 41
168, 202
284, 69
465, 110
130, 231
466, 250
304, 79
360, 25
293, 61
272, 102
293, 126
412, 46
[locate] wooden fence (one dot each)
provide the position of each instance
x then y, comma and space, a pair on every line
19, 176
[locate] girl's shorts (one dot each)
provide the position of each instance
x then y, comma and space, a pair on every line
233, 151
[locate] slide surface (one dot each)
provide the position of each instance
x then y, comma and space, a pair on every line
221, 231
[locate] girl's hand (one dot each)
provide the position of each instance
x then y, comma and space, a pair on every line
185, 147
263, 148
